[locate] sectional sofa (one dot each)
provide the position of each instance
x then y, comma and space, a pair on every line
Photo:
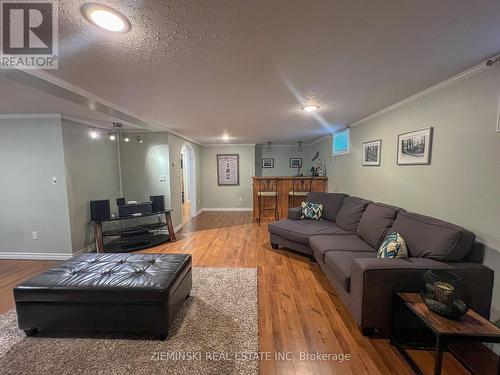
345, 242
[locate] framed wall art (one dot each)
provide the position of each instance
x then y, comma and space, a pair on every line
268, 163
415, 147
228, 169
371, 153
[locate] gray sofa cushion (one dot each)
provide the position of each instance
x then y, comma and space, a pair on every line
331, 203
340, 263
427, 237
339, 242
301, 230
375, 222
350, 213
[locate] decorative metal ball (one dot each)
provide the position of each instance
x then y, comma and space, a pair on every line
443, 292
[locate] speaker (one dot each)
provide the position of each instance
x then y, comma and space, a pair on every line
158, 202
99, 210
120, 201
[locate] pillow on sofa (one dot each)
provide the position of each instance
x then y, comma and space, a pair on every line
311, 211
375, 223
350, 213
394, 246
331, 203
427, 237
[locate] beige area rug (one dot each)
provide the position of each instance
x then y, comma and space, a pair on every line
216, 325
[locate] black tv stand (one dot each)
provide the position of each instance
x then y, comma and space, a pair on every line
137, 237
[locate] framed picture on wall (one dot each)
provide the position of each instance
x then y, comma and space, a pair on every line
228, 169
268, 163
295, 162
371, 153
415, 147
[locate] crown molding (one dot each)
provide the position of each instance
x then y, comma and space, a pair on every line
227, 144
55, 86
428, 91
319, 140
15, 116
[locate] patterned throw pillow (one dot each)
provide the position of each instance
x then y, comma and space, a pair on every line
311, 211
394, 246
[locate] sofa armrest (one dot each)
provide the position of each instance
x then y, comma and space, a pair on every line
374, 282
294, 213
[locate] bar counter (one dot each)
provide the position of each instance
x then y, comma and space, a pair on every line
284, 187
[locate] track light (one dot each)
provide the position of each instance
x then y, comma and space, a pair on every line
112, 136
93, 134
139, 139
126, 139
492, 61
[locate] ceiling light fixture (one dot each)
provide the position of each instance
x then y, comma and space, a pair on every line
139, 139
112, 136
126, 139
105, 17
225, 137
93, 134
310, 108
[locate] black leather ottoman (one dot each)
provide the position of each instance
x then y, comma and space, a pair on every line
111, 292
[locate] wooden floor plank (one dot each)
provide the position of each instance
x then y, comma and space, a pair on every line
299, 311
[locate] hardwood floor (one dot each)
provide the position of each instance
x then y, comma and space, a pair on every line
298, 310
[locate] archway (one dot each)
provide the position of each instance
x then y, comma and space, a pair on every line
188, 183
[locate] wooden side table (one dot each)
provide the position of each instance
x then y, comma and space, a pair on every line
470, 327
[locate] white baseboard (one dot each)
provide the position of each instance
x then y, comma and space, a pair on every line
228, 209
199, 211
49, 256
178, 227
34, 256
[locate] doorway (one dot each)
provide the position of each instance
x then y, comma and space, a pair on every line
188, 183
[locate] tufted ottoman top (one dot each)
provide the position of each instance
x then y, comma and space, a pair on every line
108, 278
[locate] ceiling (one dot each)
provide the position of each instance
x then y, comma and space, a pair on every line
203, 68
17, 98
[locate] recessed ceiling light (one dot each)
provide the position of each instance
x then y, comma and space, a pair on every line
310, 108
126, 139
225, 137
105, 17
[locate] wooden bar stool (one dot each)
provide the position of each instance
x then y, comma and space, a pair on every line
267, 188
300, 188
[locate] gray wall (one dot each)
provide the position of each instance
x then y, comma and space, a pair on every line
31, 153
143, 164
281, 156
175, 144
91, 174
215, 196
462, 184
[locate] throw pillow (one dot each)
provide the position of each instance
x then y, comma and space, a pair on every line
394, 246
311, 211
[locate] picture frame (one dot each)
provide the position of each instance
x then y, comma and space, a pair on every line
415, 147
228, 169
267, 163
295, 162
371, 153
